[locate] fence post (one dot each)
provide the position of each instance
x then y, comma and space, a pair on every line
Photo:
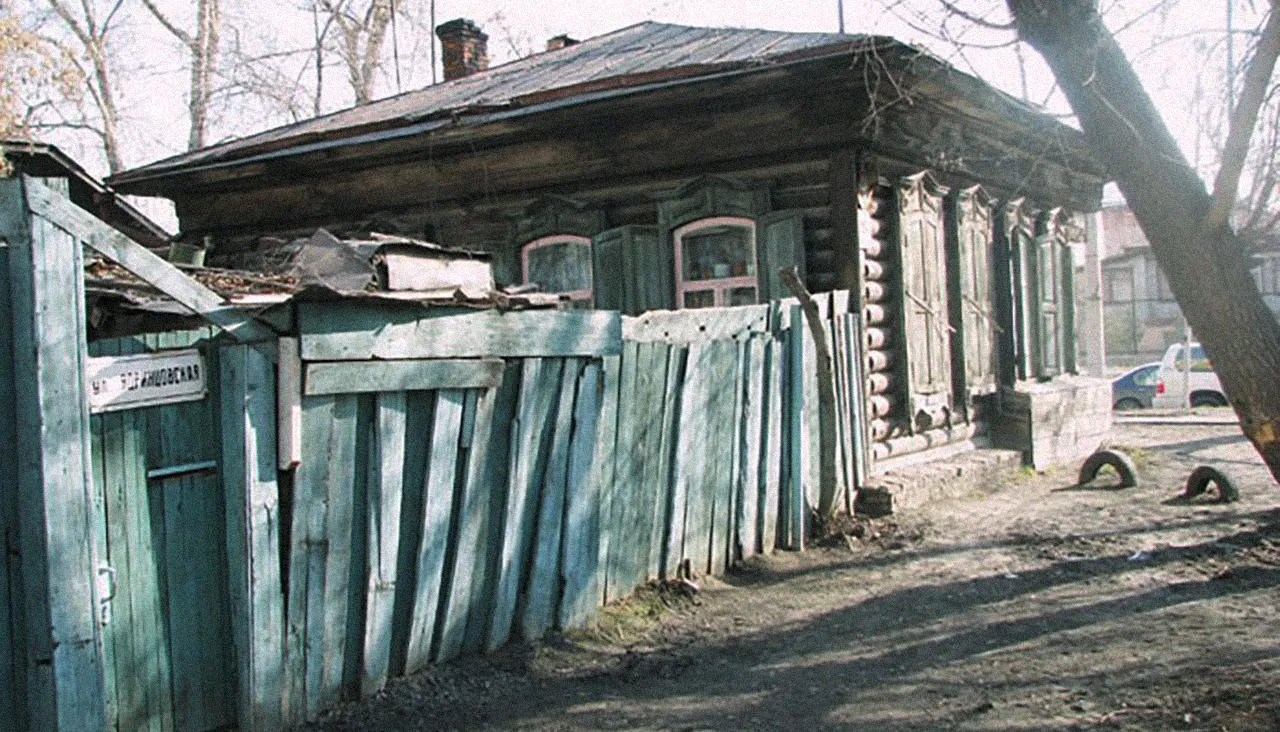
63, 671
253, 532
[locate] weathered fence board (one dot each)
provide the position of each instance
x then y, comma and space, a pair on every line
437, 516
376, 331
347, 377
386, 492
539, 389
604, 469
67, 689
249, 478
578, 551
544, 569
12, 642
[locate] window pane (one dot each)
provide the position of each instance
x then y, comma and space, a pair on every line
699, 298
562, 266
717, 252
742, 296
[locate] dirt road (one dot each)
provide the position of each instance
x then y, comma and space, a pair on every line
1036, 605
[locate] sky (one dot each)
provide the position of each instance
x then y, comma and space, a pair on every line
1160, 44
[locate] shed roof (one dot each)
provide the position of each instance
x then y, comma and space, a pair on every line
636, 56
42, 160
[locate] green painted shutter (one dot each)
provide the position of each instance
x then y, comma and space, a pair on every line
779, 244
633, 272
1048, 293
606, 270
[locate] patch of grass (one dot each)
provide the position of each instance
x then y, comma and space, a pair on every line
1142, 457
630, 618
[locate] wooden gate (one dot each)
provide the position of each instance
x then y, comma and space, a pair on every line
160, 531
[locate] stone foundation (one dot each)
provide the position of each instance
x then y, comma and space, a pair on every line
1054, 422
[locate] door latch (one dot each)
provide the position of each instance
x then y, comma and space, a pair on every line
106, 592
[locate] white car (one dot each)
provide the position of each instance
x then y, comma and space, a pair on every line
1175, 385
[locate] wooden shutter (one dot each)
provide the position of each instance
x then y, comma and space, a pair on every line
633, 272
972, 309
606, 269
924, 293
779, 244
1047, 294
1015, 262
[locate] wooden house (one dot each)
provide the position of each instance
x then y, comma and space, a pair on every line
670, 167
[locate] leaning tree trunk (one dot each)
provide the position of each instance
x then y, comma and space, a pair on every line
1206, 266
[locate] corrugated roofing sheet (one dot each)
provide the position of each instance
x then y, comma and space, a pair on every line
644, 49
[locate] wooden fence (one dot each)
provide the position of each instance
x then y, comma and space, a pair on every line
388, 487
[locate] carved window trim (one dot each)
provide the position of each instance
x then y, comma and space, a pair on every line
581, 295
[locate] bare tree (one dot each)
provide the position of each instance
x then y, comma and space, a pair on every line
1189, 229
362, 31
202, 48
90, 51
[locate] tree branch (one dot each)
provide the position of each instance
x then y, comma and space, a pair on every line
1243, 120
169, 25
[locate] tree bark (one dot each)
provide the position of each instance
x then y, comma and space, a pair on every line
1205, 263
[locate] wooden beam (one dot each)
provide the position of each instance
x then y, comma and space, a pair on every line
289, 404
351, 377
363, 332
64, 682
136, 258
253, 534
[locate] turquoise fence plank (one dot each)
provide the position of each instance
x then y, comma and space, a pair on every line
419, 416
539, 387
12, 657
543, 593
304, 651
654, 468
603, 469
690, 537
307, 628
752, 440
579, 551
643, 426
723, 428
496, 477
67, 689
673, 358
386, 491
343, 479
437, 515
100, 458
625, 504
249, 478
852, 324
772, 446
466, 589
798, 432
358, 561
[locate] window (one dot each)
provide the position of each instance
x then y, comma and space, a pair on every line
560, 264
1117, 285
716, 262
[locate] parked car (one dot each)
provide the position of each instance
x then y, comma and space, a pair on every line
1175, 385
1135, 388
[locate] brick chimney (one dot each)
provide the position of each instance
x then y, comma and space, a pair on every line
464, 48
556, 43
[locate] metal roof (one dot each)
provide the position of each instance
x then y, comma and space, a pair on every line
634, 56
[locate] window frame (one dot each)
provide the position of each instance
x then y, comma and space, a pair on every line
718, 286
553, 239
